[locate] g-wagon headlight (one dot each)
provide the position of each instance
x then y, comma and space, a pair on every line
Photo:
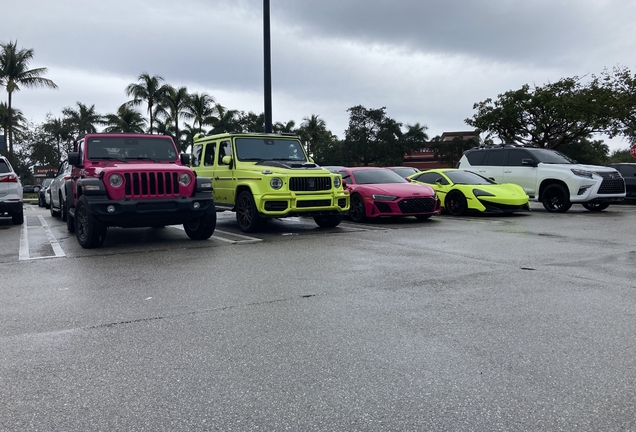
276, 183
184, 179
115, 180
337, 182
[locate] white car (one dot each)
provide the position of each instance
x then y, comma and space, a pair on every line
10, 193
547, 176
58, 191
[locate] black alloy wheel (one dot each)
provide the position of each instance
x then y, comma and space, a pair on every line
455, 203
596, 207
247, 215
556, 199
90, 232
357, 212
201, 227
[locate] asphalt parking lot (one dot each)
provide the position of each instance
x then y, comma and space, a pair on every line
513, 323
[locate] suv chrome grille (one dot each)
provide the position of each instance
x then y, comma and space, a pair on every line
151, 184
417, 205
307, 184
612, 183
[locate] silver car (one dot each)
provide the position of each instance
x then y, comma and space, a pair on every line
58, 191
10, 193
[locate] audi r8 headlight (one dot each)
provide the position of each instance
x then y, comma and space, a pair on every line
337, 181
479, 192
276, 183
582, 173
184, 179
115, 180
378, 197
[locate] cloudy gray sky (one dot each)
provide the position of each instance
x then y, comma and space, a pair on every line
426, 61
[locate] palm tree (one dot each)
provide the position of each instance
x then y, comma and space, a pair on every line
149, 89
201, 107
313, 132
285, 127
60, 130
226, 121
14, 71
83, 119
126, 120
173, 106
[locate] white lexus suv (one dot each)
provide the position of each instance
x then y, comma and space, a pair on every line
547, 176
10, 193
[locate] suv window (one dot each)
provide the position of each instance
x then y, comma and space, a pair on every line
476, 157
626, 170
208, 159
515, 156
225, 149
4, 167
495, 157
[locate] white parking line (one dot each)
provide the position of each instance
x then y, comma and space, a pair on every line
227, 240
25, 254
57, 249
24, 242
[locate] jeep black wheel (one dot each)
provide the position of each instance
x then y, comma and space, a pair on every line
556, 199
328, 221
596, 207
17, 218
90, 232
247, 215
357, 213
201, 227
455, 203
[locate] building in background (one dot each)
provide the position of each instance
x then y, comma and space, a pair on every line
425, 158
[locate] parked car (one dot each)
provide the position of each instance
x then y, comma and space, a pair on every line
333, 168
404, 171
10, 193
30, 188
628, 171
547, 176
41, 194
462, 191
380, 192
58, 191
47, 197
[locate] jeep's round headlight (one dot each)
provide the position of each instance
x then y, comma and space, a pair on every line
115, 180
336, 182
184, 179
276, 183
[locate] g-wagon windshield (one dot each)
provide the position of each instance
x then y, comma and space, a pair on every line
259, 149
551, 157
157, 149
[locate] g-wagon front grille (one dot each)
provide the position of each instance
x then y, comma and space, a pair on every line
417, 205
151, 184
307, 184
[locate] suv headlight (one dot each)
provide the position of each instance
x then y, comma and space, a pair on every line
184, 179
337, 182
276, 183
582, 173
115, 180
384, 197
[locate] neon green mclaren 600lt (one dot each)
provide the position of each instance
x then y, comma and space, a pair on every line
463, 191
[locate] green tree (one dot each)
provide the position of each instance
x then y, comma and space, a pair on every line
14, 72
288, 127
226, 120
61, 131
249, 122
149, 89
17, 121
173, 106
125, 120
201, 107
450, 152
314, 134
82, 120
621, 155
587, 151
622, 85
548, 116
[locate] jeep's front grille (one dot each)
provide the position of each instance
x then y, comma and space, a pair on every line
306, 184
155, 184
313, 203
417, 205
612, 183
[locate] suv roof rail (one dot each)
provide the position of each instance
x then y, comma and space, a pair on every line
502, 145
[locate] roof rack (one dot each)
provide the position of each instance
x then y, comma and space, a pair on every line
503, 145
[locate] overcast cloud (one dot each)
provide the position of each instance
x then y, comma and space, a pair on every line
426, 61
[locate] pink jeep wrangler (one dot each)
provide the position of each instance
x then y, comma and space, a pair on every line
134, 180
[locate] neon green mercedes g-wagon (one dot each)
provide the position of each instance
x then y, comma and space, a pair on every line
262, 176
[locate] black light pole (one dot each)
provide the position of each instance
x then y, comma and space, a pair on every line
267, 68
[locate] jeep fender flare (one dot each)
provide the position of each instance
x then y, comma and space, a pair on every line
90, 186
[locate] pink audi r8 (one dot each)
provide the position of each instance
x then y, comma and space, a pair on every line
379, 192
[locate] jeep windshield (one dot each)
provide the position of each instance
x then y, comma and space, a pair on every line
551, 157
122, 149
260, 149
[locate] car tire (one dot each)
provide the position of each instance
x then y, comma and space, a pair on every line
422, 217
328, 221
357, 211
40, 201
455, 203
596, 207
18, 218
201, 227
90, 231
247, 216
555, 199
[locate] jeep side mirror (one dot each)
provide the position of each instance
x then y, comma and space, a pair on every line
185, 159
74, 159
528, 162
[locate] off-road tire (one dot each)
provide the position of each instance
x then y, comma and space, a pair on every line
201, 227
90, 232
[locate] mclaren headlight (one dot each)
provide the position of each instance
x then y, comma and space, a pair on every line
115, 180
379, 197
479, 192
276, 183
